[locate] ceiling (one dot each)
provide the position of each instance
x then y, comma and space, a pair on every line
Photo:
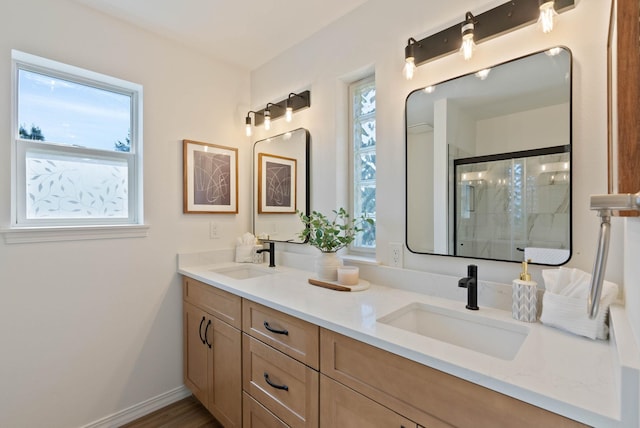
248, 33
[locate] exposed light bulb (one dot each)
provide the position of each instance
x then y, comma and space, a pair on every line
467, 37
288, 114
409, 68
267, 120
247, 128
467, 46
410, 59
547, 16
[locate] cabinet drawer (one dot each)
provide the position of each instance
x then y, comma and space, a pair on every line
219, 303
293, 336
255, 415
428, 396
283, 385
343, 407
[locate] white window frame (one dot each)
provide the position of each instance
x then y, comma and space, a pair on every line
353, 249
22, 229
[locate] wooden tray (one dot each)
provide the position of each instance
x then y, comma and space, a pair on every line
334, 285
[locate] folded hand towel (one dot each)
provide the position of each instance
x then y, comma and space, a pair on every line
564, 303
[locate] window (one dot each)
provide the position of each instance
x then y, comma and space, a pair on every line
363, 155
77, 146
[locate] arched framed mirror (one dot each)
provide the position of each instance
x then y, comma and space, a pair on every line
488, 162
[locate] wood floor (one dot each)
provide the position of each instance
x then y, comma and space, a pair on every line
186, 413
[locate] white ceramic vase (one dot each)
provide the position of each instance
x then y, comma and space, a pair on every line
327, 266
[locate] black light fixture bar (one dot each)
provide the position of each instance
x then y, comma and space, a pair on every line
492, 23
297, 102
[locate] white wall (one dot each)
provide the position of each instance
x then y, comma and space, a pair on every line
525, 130
89, 328
373, 38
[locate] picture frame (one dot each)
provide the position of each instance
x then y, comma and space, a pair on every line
277, 182
210, 178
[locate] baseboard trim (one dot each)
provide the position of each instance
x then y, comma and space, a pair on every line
141, 409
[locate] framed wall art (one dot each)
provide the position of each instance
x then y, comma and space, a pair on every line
210, 178
276, 184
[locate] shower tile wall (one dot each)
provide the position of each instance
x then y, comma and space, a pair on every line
507, 205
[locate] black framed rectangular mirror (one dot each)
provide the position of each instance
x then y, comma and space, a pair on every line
488, 162
281, 185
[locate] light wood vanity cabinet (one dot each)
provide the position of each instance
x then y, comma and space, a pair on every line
295, 374
280, 367
213, 350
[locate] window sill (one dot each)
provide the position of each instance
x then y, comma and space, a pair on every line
27, 235
363, 260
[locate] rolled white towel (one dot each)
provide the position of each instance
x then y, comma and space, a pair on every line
564, 303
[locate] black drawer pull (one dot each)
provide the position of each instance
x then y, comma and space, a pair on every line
200, 331
275, 385
206, 338
273, 330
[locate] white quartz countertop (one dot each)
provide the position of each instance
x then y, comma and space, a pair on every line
563, 373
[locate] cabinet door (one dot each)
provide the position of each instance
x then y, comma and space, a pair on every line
343, 407
226, 387
196, 352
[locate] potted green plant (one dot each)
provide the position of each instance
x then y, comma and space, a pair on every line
330, 235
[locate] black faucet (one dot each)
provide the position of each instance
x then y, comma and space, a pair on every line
471, 284
272, 253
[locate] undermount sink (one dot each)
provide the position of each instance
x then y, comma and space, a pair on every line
243, 272
472, 331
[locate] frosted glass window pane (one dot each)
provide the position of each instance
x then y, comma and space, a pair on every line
69, 187
364, 158
60, 111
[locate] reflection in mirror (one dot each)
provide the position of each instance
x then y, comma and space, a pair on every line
281, 185
488, 159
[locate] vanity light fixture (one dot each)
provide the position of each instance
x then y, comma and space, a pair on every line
248, 124
547, 15
294, 102
502, 19
409, 59
467, 46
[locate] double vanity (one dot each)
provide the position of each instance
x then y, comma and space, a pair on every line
263, 347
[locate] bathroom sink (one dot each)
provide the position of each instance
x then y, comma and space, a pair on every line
243, 272
472, 331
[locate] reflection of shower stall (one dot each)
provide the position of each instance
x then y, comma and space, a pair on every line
511, 201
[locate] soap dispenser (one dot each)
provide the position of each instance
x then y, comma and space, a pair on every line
525, 297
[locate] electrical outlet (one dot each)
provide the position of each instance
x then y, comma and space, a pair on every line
395, 250
214, 233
